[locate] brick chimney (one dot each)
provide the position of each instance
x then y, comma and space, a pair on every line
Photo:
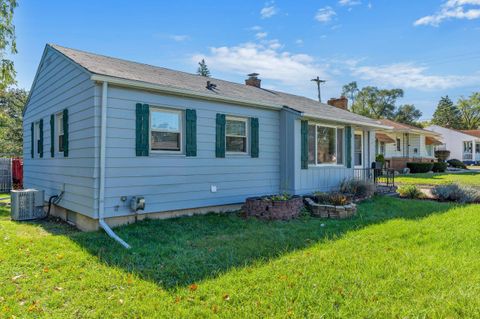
253, 80
341, 102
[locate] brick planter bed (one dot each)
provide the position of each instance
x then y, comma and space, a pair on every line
331, 211
266, 208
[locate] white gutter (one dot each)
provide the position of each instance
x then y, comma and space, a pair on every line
314, 116
101, 195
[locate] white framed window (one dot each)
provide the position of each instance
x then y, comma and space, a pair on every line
382, 148
59, 132
325, 145
399, 146
166, 130
36, 134
236, 135
358, 149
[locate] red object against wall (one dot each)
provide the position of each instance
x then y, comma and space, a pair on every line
17, 173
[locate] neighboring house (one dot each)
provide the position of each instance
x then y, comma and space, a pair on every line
463, 145
103, 130
405, 144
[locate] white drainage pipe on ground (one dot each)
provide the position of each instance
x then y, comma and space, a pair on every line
101, 197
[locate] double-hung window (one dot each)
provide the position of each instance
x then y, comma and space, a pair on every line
325, 145
399, 145
36, 134
166, 130
60, 132
236, 135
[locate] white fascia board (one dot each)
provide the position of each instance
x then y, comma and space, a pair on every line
316, 117
179, 92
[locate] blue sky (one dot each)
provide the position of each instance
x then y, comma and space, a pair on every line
429, 48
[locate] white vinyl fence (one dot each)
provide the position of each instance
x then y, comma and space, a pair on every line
5, 175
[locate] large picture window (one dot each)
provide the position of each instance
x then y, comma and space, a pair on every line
166, 130
325, 145
236, 135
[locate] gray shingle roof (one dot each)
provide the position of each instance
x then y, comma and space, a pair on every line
113, 67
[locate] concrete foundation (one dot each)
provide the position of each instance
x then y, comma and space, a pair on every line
85, 223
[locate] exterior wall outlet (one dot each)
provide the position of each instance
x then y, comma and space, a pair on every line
213, 188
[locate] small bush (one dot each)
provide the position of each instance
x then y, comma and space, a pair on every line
442, 155
409, 191
280, 197
456, 163
336, 199
419, 167
456, 193
357, 188
439, 167
380, 158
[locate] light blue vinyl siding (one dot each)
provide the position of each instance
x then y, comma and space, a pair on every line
170, 181
61, 84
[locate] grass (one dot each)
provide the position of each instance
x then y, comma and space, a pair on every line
468, 179
397, 258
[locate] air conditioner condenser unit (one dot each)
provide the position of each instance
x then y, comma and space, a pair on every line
27, 204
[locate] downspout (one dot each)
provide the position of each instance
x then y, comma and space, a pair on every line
101, 195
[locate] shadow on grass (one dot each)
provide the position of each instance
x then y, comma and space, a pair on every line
179, 252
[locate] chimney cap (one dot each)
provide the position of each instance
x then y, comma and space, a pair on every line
253, 75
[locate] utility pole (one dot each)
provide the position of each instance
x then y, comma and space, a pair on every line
317, 79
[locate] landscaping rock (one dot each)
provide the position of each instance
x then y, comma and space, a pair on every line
265, 208
330, 211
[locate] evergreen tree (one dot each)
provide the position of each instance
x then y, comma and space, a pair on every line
447, 114
203, 69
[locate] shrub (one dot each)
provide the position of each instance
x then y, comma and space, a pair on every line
409, 191
442, 155
280, 197
456, 193
380, 158
357, 188
456, 163
439, 167
419, 167
336, 199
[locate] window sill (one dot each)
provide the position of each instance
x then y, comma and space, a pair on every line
326, 165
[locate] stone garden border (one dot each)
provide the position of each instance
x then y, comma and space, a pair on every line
266, 208
331, 211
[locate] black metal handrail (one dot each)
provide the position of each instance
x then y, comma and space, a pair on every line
378, 176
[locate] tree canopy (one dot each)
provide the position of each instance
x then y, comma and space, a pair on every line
447, 114
203, 69
8, 44
469, 109
12, 102
408, 114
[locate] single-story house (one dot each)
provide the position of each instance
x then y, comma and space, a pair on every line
406, 143
463, 145
110, 134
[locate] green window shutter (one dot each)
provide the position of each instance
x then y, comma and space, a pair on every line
220, 136
40, 142
348, 145
254, 136
32, 132
304, 144
142, 129
65, 133
52, 135
191, 133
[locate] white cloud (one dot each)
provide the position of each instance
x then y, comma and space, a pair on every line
269, 10
261, 35
325, 14
299, 41
452, 9
349, 2
255, 28
412, 76
179, 37
268, 60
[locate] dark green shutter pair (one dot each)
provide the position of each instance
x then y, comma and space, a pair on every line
304, 145
142, 146
40, 140
220, 137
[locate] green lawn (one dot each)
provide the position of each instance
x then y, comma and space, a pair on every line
397, 258
468, 178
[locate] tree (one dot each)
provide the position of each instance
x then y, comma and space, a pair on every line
469, 110
376, 103
350, 91
7, 43
447, 114
12, 103
408, 114
203, 69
